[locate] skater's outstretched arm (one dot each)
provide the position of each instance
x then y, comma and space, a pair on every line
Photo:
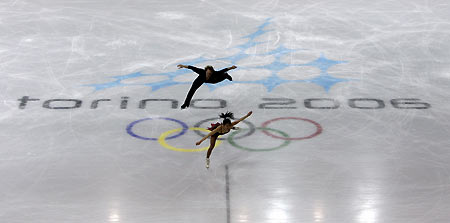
210, 134
246, 116
228, 68
195, 69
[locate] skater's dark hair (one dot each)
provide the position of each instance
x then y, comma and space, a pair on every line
226, 117
209, 67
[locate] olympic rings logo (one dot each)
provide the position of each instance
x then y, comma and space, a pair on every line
232, 136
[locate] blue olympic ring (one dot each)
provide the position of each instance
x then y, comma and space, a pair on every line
130, 128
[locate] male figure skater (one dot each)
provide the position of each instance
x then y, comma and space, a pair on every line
207, 75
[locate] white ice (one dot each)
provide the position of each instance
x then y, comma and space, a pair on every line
367, 165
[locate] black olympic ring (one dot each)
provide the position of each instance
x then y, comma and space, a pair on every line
250, 125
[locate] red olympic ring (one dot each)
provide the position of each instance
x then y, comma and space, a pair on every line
318, 128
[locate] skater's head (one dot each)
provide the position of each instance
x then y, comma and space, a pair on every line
209, 68
226, 121
226, 117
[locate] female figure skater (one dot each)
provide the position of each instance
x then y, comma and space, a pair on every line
207, 75
220, 129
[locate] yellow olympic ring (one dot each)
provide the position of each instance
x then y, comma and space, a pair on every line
162, 140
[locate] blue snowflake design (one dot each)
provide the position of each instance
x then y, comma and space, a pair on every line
325, 80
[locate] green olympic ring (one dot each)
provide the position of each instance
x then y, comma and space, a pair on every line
285, 143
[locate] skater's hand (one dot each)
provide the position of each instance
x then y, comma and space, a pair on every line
181, 66
198, 143
249, 113
233, 67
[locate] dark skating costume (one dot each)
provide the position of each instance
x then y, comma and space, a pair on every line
214, 126
216, 77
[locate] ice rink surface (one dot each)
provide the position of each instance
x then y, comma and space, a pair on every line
350, 106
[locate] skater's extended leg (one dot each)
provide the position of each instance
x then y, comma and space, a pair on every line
210, 149
195, 85
211, 146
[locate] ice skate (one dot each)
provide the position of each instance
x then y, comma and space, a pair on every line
184, 106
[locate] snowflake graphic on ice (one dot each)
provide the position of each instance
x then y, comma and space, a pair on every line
324, 79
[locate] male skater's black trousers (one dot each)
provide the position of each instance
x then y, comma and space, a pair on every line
195, 85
